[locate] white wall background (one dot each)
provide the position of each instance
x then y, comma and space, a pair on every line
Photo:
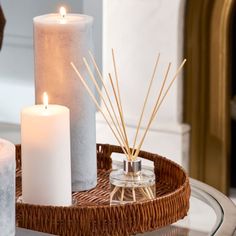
138, 30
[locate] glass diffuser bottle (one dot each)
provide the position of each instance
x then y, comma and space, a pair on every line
133, 183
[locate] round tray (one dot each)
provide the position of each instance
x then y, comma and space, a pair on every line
92, 214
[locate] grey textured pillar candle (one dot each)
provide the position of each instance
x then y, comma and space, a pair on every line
58, 40
7, 188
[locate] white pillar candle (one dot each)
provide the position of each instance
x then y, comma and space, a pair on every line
7, 188
46, 165
58, 40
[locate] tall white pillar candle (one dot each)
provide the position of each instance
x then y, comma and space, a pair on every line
46, 165
7, 188
58, 40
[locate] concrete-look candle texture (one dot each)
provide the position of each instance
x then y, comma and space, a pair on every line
7, 188
58, 40
45, 147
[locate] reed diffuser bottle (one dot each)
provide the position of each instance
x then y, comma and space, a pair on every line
133, 183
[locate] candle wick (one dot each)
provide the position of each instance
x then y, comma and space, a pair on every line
63, 12
45, 100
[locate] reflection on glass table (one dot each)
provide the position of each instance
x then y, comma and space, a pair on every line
210, 213
201, 219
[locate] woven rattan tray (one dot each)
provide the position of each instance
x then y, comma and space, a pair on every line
92, 214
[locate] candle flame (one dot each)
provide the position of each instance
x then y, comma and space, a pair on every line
63, 12
45, 100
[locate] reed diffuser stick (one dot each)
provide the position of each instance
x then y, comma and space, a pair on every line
98, 107
91, 76
171, 83
153, 112
158, 104
145, 103
106, 91
119, 110
118, 91
96, 67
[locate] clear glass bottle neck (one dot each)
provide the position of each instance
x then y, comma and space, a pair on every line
132, 168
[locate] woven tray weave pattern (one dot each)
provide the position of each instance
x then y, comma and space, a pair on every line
92, 215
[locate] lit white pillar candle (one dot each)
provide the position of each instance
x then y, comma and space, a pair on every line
46, 165
58, 40
7, 188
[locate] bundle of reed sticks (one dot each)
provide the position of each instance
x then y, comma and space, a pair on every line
114, 115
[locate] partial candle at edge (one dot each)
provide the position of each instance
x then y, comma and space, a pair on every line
7, 188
